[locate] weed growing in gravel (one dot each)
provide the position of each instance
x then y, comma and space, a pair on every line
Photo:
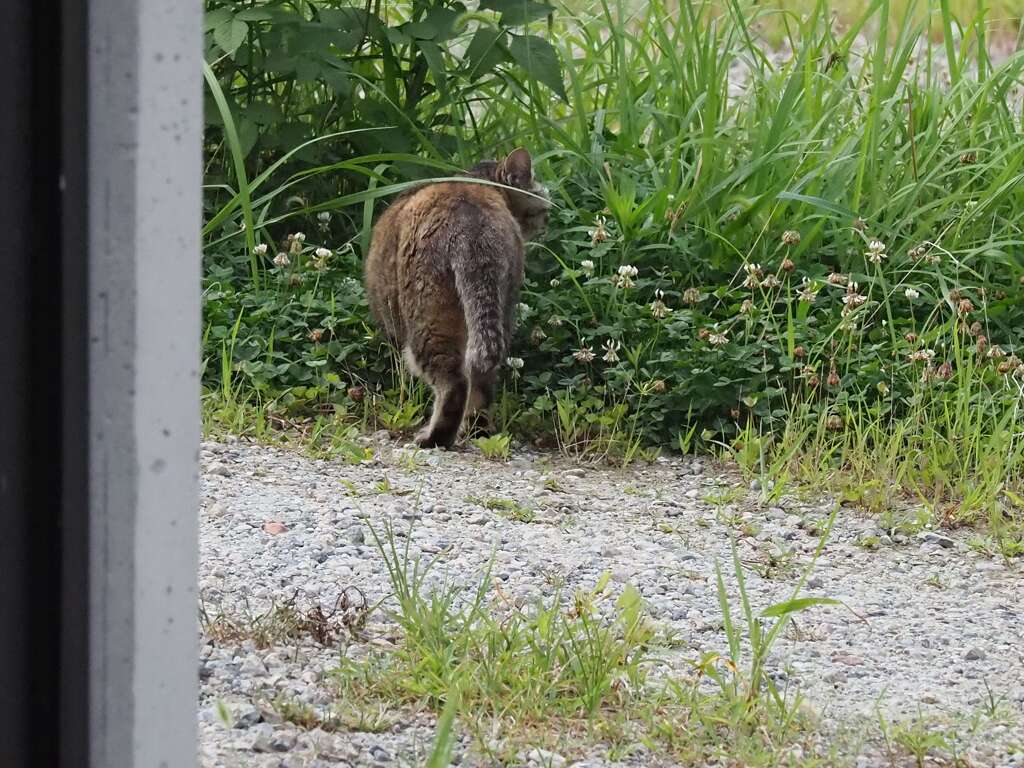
289, 621
511, 508
576, 673
494, 447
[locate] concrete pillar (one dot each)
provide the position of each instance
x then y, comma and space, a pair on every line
144, 211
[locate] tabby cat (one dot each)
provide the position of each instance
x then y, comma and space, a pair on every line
443, 277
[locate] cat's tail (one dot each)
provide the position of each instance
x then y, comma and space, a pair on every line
483, 293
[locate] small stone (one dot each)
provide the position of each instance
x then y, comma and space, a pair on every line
848, 659
246, 716
930, 537
815, 582
356, 534
542, 757
253, 665
835, 677
217, 468
262, 735
283, 741
216, 510
274, 527
621, 575
380, 754
974, 654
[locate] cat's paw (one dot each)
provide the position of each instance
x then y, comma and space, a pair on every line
423, 438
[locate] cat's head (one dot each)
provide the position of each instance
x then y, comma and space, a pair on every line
516, 170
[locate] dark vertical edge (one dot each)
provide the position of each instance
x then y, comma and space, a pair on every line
15, 560
43, 379
75, 393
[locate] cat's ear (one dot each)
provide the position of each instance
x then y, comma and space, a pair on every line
517, 168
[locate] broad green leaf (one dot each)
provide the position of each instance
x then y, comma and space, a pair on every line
248, 133
421, 30
515, 13
485, 52
540, 60
215, 18
435, 60
230, 35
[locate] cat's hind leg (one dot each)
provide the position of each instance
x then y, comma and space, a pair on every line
437, 357
481, 396
449, 406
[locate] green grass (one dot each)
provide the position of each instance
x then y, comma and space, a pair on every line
510, 508
576, 673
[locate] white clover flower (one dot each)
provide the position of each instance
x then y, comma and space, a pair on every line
658, 307
598, 234
324, 216
718, 339
555, 282
626, 274
322, 253
912, 294
808, 291
754, 273
876, 252
587, 267
260, 250
299, 236
515, 363
852, 299
771, 282
921, 355
555, 321
584, 354
611, 348
282, 260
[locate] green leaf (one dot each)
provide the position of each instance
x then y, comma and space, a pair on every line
796, 605
248, 133
215, 18
435, 60
444, 738
421, 30
818, 202
254, 14
230, 35
540, 60
238, 160
485, 52
516, 13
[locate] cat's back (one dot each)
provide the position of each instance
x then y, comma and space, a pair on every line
452, 211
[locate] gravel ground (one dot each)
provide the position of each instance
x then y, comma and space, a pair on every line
933, 627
